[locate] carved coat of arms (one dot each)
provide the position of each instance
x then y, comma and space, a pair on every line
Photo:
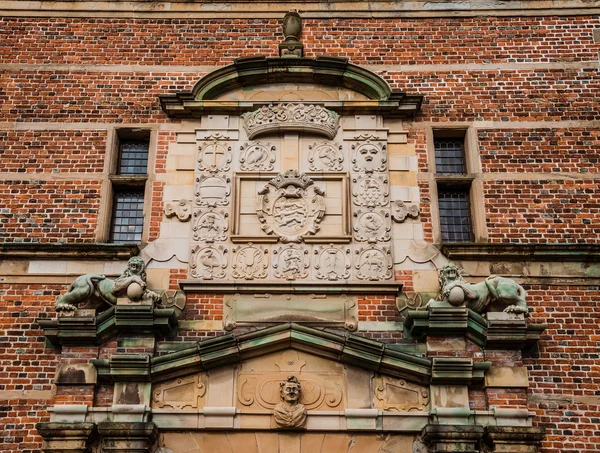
291, 206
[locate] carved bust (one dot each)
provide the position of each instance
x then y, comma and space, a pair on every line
290, 413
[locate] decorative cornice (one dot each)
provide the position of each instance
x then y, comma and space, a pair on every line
469, 251
291, 117
296, 287
231, 349
259, 70
93, 330
499, 331
87, 251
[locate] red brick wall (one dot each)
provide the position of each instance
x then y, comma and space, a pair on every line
49, 211
523, 210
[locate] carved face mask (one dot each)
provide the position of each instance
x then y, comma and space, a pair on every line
291, 393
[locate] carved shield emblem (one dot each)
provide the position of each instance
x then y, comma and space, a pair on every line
291, 206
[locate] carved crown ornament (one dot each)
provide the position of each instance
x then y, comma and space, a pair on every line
291, 206
291, 117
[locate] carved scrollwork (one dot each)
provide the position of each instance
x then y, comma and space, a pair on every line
208, 263
290, 262
398, 395
332, 263
369, 155
370, 191
181, 393
325, 156
210, 225
372, 226
250, 262
212, 190
291, 206
257, 156
214, 155
319, 392
180, 208
401, 210
291, 117
374, 263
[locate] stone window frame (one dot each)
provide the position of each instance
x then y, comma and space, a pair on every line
112, 181
471, 180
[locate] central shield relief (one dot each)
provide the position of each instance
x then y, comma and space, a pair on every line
291, 206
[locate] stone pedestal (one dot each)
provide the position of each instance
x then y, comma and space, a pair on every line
452, 438
127, 437
65, 437
514, 439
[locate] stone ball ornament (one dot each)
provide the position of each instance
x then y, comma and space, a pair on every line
456, 296
135, 291
292, 26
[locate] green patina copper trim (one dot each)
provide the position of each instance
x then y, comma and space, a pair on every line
259, 70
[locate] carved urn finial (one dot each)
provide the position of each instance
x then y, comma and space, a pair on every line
291, 47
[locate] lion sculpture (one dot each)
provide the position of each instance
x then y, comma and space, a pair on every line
97, 291
493, 290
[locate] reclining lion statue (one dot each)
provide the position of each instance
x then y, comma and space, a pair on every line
98, 291
478, 296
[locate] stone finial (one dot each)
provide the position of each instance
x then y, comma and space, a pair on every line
291, 47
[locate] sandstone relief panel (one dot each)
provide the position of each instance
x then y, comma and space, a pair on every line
321, 387
326, 156
257, 156
210, 225
398, 395
250, 262
208, 263
181, 393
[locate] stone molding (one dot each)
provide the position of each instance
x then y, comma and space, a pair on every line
296, 287
119, 437
87, 251
60, 437
93, 330
498, 331
464, 251
231, 349
514, 439
453, 438
342, 9
333, 71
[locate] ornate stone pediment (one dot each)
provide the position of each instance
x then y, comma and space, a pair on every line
291, 206
291, 117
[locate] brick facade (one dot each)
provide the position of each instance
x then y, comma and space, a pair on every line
531, 93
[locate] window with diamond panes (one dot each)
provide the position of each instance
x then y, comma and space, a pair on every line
133, 157
128, 217
450, 156
455, 216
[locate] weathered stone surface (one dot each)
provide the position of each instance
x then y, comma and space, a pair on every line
507, 377
65, 437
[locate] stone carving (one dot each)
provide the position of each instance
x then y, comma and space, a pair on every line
332, 263
208, 263
257, 156
250, 262
290, 413
97, 291
182, 209
182, 393
401, 210
372, 226
370, 191
398, 395
214, 155
212, 190
291, 206
374, 263
325, 156
291, 47
290, 262
369, 155
210, 226
479, 296
291, 117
